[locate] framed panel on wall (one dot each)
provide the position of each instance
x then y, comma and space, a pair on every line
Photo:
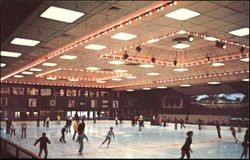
83, 103
32, 102
71, 92
173, 102
105, 103
93, 103
32, 91
84, 93
4, 101
5, 90
71, 103
115, 104
52, 102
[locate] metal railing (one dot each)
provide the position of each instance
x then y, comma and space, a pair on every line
16, 151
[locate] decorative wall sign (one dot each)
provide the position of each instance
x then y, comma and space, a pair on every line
32, 102
52, 102
172, 101
115, 104
4, 101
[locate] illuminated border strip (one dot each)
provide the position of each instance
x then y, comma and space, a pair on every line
51, 71
147, 12
181, 79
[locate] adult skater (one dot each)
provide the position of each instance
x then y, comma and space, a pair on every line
44, 121
13, 129
245, 144
218, 128
80, 137
8, 124
185, 149
108, 137
58, 118
182, 123
140, 122
164, 121
24, 128
199, 123
63, 134
47, 121
38, 121
233, 133
43, 144
75, 126
175, 123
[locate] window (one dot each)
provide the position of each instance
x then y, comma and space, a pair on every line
5, 90
32, 91
4, 101
45, 92
105, 103
104, 94
71, 93
18, 90
59, 92
91, 94
17, 114
84, 93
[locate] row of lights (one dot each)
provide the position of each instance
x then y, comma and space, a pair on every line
182, 79
54, 84
194, 63
97, 35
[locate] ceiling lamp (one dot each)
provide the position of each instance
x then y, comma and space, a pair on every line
138, 49
217, 64
73, 79
180, 69
24, 42
185, 85
242, 49
51, 78
213, 82
3, 64
92, 68
125, 56
153, 59
146, 65
116, 62
245, 79
18, 76
161, 87
146, 88
153, 74
131, 77
175, 62
116, 79
130, 90
190, 38
221, 45
245, 59
100, 81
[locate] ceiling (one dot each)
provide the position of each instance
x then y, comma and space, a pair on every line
103, 19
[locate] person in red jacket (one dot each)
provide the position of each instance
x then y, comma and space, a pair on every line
185, 149
43, 144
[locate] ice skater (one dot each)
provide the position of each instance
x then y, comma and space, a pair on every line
63, 134
218, 128
75, 126
23, 128
13, 129
245, 144
233, 133
38, 121
185, 149
175, 123
140, 122
199, 123
108, 137
182, 123
43, 144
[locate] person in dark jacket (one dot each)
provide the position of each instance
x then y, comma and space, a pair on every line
182, 123
43, 144
245, 144
185, 149
218, 128
63, 134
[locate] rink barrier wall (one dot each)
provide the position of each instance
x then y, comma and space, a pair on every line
16, 151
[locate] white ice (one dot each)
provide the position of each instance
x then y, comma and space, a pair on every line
151, 142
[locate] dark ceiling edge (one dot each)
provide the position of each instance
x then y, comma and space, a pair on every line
13, 13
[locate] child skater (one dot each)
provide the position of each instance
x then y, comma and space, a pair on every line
43, 144
186, 147
108, 137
